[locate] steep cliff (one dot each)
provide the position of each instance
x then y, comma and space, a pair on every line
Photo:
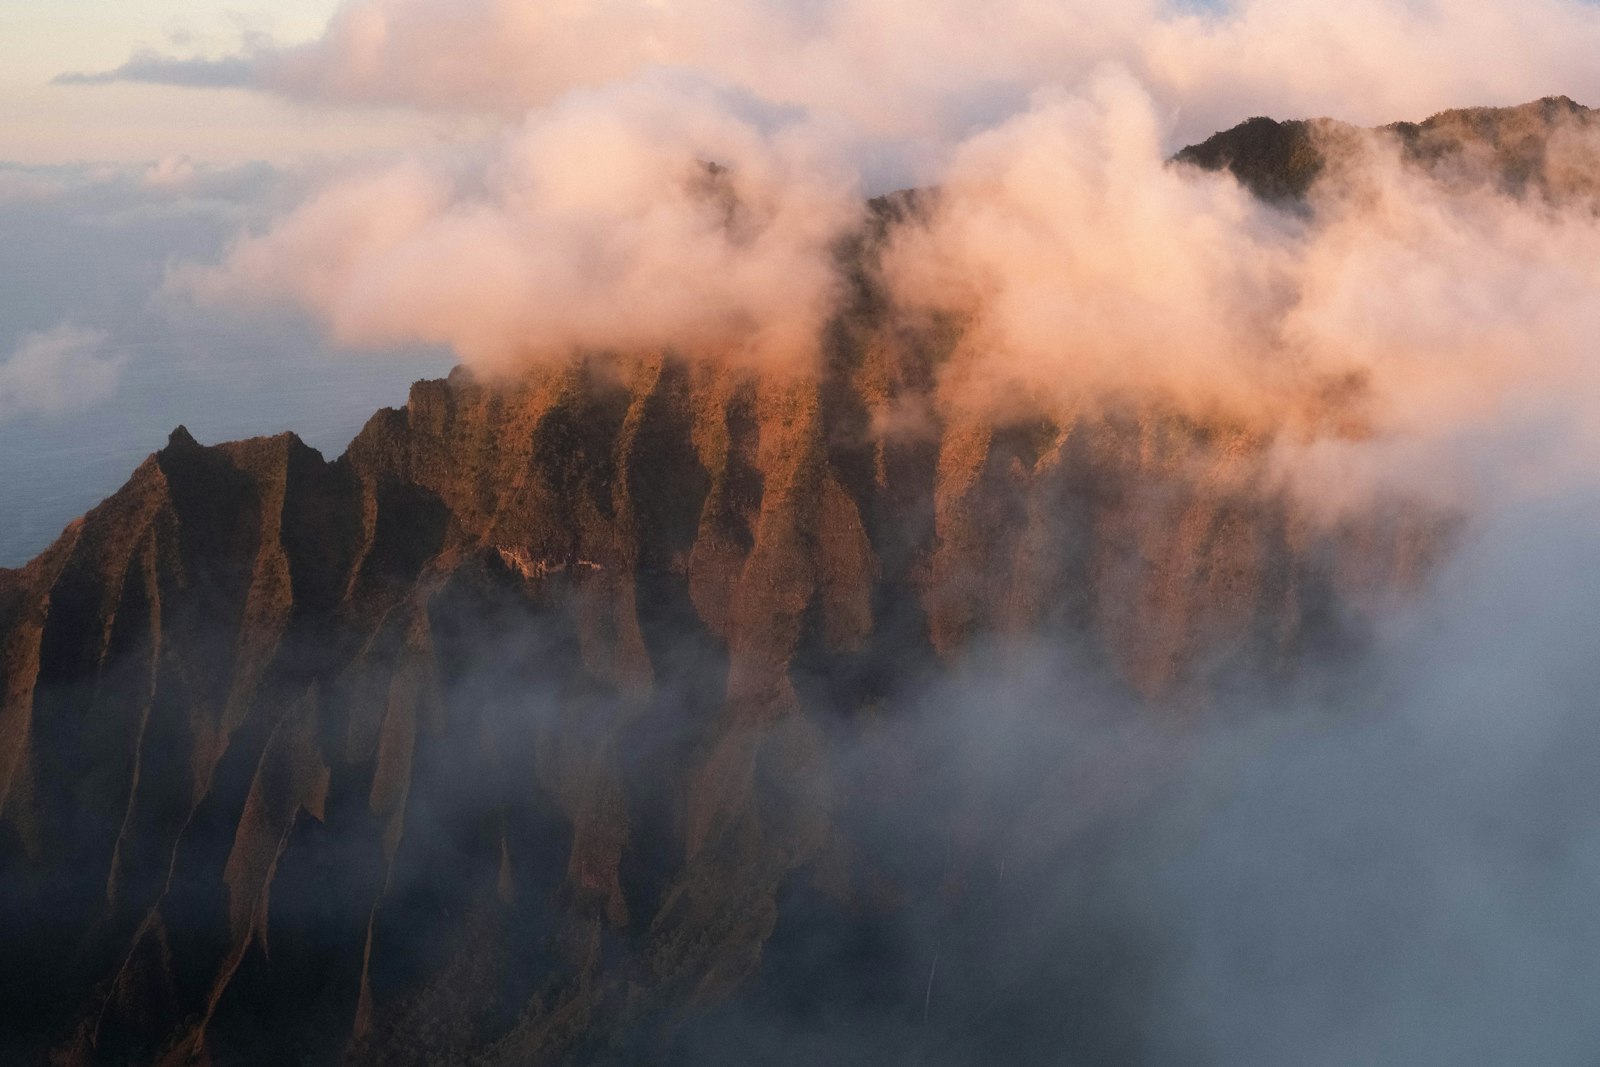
530, 729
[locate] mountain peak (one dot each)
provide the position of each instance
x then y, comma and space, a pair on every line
1275, 160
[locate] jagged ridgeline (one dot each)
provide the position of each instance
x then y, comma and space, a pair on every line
1282, 160
555, 722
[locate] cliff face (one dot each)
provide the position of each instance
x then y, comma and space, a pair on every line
508, 730
528, 730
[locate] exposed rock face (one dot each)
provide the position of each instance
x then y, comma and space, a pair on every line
517, 734
1547, 145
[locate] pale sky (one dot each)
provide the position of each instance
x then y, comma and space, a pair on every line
41, 123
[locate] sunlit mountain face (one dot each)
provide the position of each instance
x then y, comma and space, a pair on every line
924, 537
903, 699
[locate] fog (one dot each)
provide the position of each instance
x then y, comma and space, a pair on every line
1389, 861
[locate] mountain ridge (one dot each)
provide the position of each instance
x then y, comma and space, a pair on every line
529, 728
1280, 161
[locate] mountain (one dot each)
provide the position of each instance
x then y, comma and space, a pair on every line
1519, 146
562, 719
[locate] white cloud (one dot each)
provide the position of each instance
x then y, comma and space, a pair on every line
888, 68
68, 368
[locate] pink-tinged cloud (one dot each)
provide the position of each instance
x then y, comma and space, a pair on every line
601, 224
886, 68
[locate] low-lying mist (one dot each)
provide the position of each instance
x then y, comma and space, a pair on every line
1388, 858
1391, 861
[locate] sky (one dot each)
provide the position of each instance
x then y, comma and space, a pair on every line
46, 123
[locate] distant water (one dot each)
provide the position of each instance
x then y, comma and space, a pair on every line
54, 468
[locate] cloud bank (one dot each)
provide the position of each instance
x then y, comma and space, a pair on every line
1079, 263
631, 221
891, 68
1403, 299
1404, 307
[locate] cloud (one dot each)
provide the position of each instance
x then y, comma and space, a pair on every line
1390, 861
1083, 265
1379, 335
1080, 262
600, 224
169, 179
171, 172
156, 69
1401, 873
64, 369
889, 69
1382, 333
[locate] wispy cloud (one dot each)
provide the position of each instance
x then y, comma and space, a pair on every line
156, 69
